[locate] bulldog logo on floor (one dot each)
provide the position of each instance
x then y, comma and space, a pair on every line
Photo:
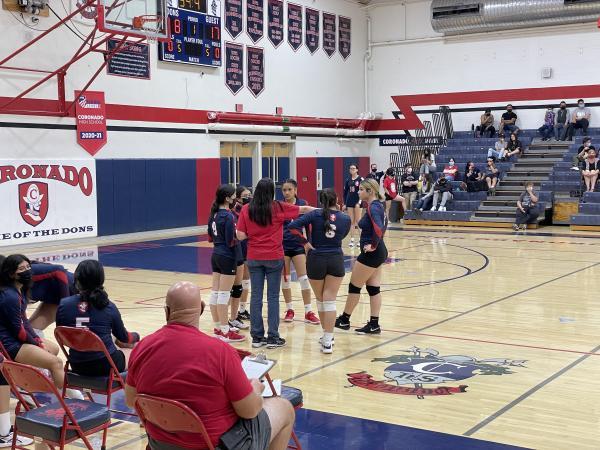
426, 367
33, 202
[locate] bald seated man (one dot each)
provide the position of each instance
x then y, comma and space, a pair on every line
180, 362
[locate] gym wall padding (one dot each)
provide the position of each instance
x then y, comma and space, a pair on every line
306, 169
208, 179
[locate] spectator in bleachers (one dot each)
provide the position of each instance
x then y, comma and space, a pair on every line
182, 363
582, 153
442, 189
547, 130
562, 122
580, 118
527, 210
426, 200
508, 121
499, 150
486, 124
409, 183
451, 170
514, 147
590, 169
491, 175
473, 179
427, 163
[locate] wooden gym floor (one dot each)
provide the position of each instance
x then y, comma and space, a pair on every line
490, 337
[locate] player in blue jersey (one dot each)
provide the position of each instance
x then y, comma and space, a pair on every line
51, 283
241, 284
351, 199
325, 260
92, 309
373, 253
225, 261
294, 253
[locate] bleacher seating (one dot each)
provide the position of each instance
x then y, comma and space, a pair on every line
589, 210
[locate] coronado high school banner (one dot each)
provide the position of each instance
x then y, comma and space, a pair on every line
47, 200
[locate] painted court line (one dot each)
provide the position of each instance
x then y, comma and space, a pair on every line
530, 392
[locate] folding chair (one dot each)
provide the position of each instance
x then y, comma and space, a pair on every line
170, 416
291, 394
58, 423
4, 352
84, 340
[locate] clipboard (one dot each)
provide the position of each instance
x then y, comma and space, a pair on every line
257, 367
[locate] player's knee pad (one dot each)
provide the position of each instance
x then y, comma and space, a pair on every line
245, 285
373, 290
320, 306
329, 306
223, 298
285, 283
236, 291
304, 283
353, 289
212, 300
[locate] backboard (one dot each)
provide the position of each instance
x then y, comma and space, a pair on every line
135, 18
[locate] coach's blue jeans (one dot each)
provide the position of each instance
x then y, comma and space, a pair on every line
259, 270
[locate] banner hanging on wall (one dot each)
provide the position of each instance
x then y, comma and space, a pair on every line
90, 120
47, 200
311, 30
329, 32
234, 66
255, 19
234, 16
275, 22
345, 36
256, 70
294, 25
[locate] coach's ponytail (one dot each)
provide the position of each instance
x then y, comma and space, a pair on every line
328, 199
89, 280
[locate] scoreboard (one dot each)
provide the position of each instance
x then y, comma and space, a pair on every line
195, 35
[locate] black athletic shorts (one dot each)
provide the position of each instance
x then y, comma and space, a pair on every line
375, 258
387, 197
295, 252
99, 367
319, 265
223, 265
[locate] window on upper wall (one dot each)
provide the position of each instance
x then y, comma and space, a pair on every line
441, 12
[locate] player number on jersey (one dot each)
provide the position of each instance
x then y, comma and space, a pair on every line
331, 232
214, 228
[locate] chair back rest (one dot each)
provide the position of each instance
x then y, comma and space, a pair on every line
80, 339
27, 378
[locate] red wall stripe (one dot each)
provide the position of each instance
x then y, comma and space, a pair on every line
364, 162
208, 178
339, 178
306, 169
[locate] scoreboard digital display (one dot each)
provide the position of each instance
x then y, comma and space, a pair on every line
195, 35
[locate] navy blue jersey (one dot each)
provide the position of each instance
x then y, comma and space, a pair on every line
105, 322
221, 232
290, 243
15, 328
373, 224
330, 242
351, 190
51, 283
236, 210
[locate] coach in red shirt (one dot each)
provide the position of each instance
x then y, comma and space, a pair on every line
181, 363
261, 222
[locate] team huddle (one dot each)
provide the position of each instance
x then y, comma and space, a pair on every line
256, 237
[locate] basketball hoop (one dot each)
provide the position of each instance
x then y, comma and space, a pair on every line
139, 23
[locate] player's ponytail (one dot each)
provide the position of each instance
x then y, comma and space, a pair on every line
223, 191
89, 279
328, 199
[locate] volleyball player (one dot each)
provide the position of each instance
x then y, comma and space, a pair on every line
351, 200
390, 187
368, 266
227, 253
294, 253
325, 260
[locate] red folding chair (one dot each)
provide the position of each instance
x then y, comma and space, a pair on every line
170, 416
4, 352
58, 423
293, 395
84, 340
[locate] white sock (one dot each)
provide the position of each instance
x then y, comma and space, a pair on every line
74, 394
224, 329
307, 309
327, 338
289, 306
242, 307
5, 424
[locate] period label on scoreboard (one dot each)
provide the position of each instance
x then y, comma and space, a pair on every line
275, 22
294, 25
344, 36
256, 69
311, 29
234, 66
329, 32
132, 60
255, 19
234, 17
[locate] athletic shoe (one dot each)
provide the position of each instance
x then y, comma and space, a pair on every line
332, 340
217, 332
243, 315
258, 342
289, 316
275, 342
6, 441
369, 328
433, 209
516, 227
524, 227
351, 243
341, 323
237, 323
327, 349
232, 336
442, 209
310, 317
575, 168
